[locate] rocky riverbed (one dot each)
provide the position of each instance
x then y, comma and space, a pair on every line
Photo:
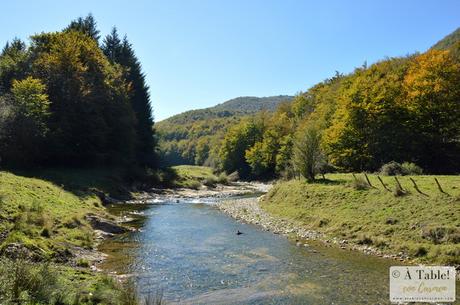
248, 210
219, 191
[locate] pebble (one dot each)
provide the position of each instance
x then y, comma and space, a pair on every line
248, 210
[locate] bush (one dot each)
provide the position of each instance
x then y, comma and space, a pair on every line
196, 185
46, 232
438, 235
392, 169
222, 178
410, 168
233, 177
24, 282
396, 169
84, 263
360, 184
210, 181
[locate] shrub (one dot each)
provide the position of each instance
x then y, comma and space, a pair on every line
24, 282
360, 184
439, 235
210, 181
364, 240
46, 232
81, 262
396, 169
196, 185
222, 178
410, 168
420, 251
233, 177
392, 169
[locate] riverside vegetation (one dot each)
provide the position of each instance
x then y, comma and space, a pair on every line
76, 129
47, 243
423, 227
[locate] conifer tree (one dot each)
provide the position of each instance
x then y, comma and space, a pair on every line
121, 52
85, 25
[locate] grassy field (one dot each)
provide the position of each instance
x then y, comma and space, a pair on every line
424, 226
192, 176
44, 212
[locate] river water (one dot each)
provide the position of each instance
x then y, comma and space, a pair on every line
191, 253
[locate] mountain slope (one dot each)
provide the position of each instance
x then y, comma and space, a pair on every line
235, 107
192, 137
448, 41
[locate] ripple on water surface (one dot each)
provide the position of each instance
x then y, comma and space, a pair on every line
190, 251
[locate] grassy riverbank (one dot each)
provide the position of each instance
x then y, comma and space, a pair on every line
42, 223
194, 177
426, 227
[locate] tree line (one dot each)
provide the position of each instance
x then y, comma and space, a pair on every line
399, 109
67, 99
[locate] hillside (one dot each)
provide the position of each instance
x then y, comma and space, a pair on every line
239, 106
448, 41
188, 138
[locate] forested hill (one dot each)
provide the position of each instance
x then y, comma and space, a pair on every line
448, 41
404, 109
193, 137
238, 106
251, 104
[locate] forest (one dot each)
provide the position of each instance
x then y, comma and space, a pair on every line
403, 109
194, 137
69, 99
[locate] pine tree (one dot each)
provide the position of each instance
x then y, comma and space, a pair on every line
85, 25
122, 53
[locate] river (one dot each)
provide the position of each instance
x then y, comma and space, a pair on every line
189, 250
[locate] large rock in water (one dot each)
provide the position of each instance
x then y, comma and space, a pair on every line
99, 223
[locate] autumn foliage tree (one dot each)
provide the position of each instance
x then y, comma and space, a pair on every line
64, 102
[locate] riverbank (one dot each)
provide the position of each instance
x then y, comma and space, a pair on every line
51, 222
248, 210
408, 227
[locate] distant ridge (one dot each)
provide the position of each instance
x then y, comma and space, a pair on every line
240, 106
189, 137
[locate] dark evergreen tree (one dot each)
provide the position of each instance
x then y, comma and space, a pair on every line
85, 25
12, 63
122, 53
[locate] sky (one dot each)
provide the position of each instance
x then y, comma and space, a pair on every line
198, 53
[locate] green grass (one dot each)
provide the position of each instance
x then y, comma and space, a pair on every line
426, 227
192, 176
43, 216
45, 212
24, 282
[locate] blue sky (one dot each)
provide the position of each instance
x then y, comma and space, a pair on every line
199, 53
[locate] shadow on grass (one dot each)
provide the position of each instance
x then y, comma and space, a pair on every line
84, 181
326, 181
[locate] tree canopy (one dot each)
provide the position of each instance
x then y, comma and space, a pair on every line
80, 106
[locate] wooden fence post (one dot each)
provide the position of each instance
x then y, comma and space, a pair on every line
439, 186
384, 185
399, 184
416, 187
368, 181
